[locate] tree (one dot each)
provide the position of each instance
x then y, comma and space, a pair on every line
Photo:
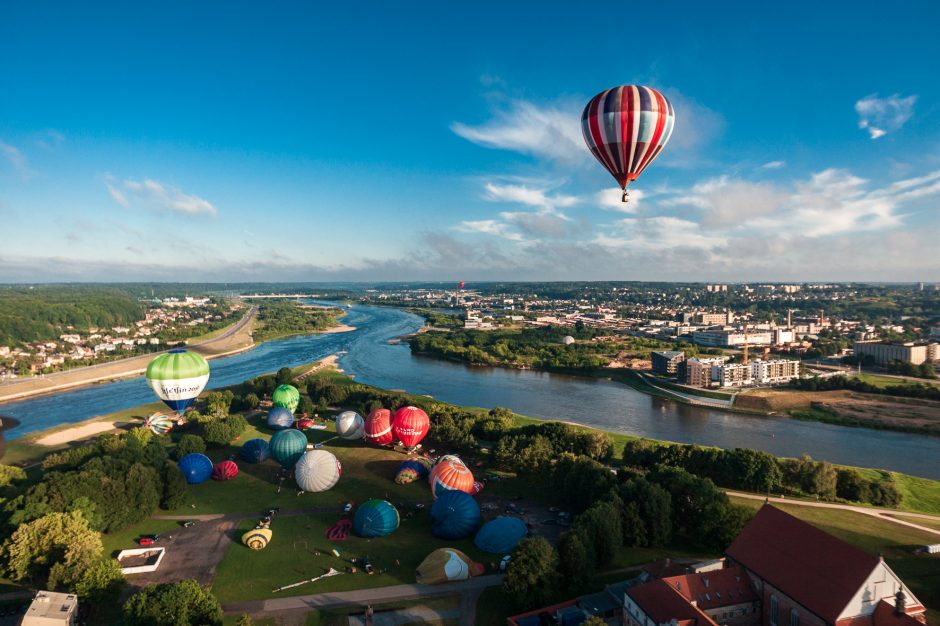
101, 583
851, 485
52, 551
174, 487
532, 575
245, 620
284, 376
190, 444
10, 474
600, 528
219, 403
535, 455
182, 603
252, 401
222, 431
577, 562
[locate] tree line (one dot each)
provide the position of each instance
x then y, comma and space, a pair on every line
903, 390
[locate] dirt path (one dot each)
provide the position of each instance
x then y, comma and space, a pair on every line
237, 338
884, 514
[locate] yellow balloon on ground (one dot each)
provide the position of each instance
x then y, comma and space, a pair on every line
445, 565
257, 538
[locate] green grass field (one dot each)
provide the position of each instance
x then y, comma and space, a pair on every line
884, 381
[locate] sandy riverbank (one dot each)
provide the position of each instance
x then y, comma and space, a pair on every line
340, 328
77, 433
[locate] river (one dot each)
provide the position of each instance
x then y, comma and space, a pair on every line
599, 403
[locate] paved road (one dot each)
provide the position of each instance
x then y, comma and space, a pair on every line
885, 514
233, 340
298, 605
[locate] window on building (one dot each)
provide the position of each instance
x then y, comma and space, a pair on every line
773, 610
794, 618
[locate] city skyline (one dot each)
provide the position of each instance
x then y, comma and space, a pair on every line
437, 144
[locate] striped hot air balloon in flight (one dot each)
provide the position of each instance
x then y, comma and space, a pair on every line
626, 128
178, 377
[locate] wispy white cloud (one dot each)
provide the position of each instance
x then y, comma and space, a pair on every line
551, 132
729, 202
528, 195
774, 165
488, 227
158, 196
880, 116
17, 160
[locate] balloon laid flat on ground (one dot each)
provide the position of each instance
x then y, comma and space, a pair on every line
626, 128
339, 531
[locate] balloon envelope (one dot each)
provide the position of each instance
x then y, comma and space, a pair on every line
257, 538
196, 468
178, 377
444, 565
375, 518
410, 425
454, 515
255, 450
412, 469
378, 427
159, 424
450, 474
500, 535
280, 418
286, 396
287, 446
304, 424
224, 470
625, 128
350, 425
317, 470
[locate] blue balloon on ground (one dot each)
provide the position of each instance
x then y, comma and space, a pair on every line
255, 450
375, 518
280, 418
454, 515
500, 535
196, 468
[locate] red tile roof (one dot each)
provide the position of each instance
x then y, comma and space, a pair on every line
884, 615
814, 568
717, 588
662, 603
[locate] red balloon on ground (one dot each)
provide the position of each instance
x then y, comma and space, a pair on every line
304, 424
378, 427
410, 425
224, 470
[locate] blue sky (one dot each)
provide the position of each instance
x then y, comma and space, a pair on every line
393, 141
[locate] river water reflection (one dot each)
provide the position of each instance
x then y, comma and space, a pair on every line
600, 403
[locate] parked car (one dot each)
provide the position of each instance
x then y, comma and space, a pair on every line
189, 524
146, 541
348, 507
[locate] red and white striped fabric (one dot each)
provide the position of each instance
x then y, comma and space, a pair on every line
626, 128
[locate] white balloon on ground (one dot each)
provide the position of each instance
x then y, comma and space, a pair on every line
317, 470
350, 425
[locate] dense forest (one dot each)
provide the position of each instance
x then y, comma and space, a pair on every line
41, 313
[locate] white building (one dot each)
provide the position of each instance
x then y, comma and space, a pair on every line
52, 609
730, 338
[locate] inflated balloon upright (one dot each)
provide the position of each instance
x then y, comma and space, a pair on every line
375, 518
255, 450
626, 128
178, 377
410, 425
196, 468
287, 446
378, 427
224, 470
317, 470
454, 515
286, 396
450, 474
350, 425
279, 418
